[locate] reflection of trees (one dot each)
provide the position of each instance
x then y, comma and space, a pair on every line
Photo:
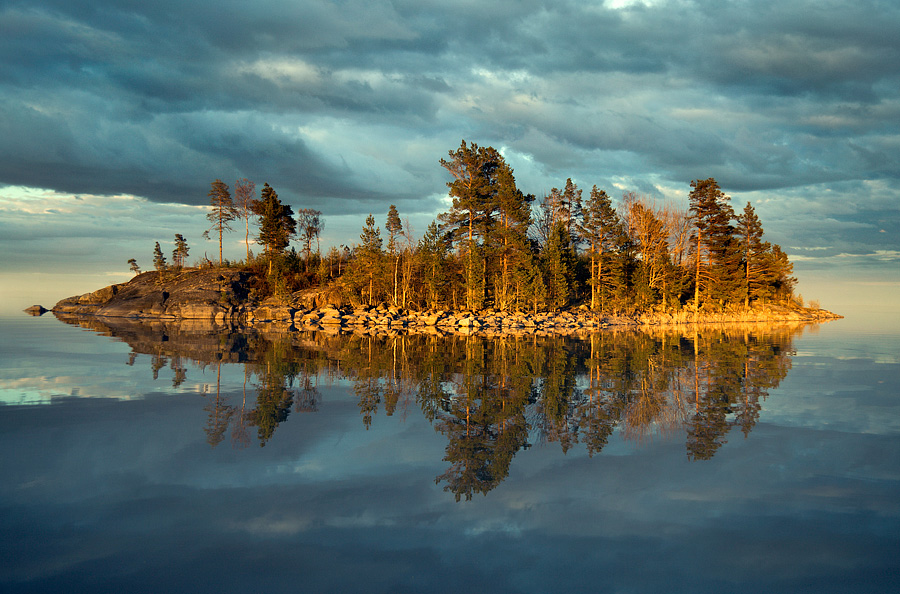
489, 397
219, 413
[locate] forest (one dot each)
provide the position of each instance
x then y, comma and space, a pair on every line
499, 248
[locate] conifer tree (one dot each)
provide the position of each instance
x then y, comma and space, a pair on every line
394, 227
565, 206
276, 223
367, 265
432, 255
599, 227
473, 189
779, 274
134, 266
181, 250
750, 233
713, 247
559, 262
510, 236
159, 261
222, 213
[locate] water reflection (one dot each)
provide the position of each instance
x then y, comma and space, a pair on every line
489, 397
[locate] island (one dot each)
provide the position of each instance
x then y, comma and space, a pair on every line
498, 260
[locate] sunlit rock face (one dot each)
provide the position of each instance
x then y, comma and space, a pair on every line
197, 294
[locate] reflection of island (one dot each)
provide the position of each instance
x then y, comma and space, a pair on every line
489, 397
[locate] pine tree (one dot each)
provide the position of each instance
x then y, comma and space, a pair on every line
565, 206
276, 223
599, 228
510, 237
753, 249
222, 213
470, 219
778, 275
159, 261
713, 246
367, 265
432, 255
559, 264
394, 227
133, 265
181, 250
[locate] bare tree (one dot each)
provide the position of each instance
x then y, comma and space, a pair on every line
244, 197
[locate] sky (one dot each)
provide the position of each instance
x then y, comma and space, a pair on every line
115, 117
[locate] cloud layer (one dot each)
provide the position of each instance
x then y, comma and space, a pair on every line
347, 106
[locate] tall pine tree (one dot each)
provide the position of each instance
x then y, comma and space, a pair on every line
222, 212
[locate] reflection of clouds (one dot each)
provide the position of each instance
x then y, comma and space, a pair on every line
287, 524
130, 493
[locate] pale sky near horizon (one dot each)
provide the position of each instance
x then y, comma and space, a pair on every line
115, 116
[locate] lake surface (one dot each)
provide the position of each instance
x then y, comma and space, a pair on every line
143, 458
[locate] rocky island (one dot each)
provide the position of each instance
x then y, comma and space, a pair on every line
496, 263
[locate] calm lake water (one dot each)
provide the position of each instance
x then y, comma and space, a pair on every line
146, 458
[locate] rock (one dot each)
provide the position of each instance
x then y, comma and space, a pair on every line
35, 310
273, 313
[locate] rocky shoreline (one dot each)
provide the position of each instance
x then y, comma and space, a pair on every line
224, 297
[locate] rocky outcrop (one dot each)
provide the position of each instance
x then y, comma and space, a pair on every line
35, 310
210, 294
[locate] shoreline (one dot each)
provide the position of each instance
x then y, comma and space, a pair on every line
221, 297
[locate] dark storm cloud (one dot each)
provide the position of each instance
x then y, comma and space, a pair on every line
323, 99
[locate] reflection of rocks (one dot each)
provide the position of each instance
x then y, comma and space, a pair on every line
200, 340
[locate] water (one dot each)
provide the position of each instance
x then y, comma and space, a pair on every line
743, 461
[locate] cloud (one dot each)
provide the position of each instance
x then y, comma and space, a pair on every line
347, 107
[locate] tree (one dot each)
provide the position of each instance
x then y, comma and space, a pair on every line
649, 237
711, 215
244, 197
753, 249
181, 250
565, 206
599, 226
310, 226
473, 190
134, 266
779, 271
276, 223
510, 238
559, 265
432, 255
222, 213
394, 227
367, 265
159, 261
